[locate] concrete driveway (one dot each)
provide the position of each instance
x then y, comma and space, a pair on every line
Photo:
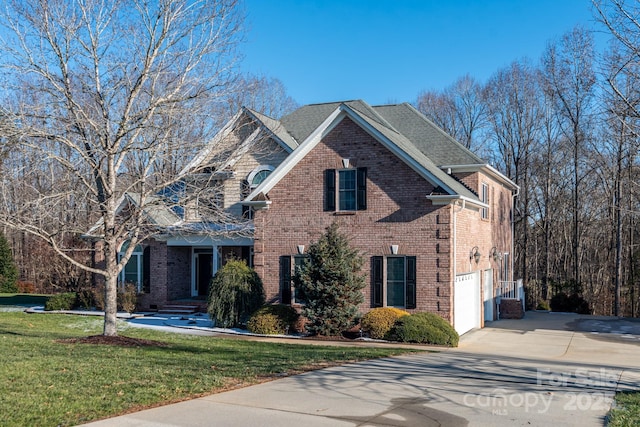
546, 369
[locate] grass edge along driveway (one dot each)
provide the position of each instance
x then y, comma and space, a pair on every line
49, 381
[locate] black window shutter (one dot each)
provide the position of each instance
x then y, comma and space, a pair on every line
411, 282
330, 190
361, 186
285, 279
376, 281
146, 270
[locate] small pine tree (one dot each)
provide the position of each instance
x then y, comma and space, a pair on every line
8, 269
236, 292
331, 282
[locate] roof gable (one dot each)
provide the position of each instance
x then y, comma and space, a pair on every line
262, 127
373, 123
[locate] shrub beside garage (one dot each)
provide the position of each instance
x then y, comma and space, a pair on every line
424, 328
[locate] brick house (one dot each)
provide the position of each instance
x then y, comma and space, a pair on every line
432, 220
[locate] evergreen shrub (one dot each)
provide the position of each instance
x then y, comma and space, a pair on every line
378, 322
63, 301
425, 328
331, 281
236, 291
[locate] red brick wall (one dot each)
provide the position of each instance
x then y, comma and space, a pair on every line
486, 234
398, 213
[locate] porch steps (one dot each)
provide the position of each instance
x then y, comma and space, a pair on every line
179, 309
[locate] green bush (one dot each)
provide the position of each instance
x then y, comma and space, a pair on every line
64, 301
427, 328
379, 321
236, 291
8, 269
273, 319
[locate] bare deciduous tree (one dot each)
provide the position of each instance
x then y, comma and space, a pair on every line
569, 79
512, 98
266, 95
458, 110
105, 101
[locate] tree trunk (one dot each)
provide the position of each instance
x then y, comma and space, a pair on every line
111, 306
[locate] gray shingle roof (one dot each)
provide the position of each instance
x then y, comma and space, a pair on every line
306, 119
435, 143
401, 124
276, 128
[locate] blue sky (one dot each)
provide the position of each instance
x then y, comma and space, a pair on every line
390, 51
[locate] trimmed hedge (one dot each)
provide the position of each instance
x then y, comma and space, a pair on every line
64, 301
273, 319
426, 328
378, 322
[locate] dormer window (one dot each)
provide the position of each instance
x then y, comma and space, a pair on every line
254, 179
258, 175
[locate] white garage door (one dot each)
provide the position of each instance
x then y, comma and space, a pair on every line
466, 302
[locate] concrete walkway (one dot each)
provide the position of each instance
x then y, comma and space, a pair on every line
547, 369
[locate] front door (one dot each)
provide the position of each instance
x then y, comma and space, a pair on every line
204, 268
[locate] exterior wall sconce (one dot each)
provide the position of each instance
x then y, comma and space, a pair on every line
475, 255
495, 254
394, 249
300, 249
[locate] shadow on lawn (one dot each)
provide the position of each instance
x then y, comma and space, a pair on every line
27, 300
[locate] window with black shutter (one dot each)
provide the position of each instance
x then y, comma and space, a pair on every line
285, 279
289, 265
376, 281
393, 281
345, 189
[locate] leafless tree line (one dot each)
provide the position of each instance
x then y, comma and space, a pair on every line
565, 129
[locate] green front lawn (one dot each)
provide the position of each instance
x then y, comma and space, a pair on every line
627, 410
46, 382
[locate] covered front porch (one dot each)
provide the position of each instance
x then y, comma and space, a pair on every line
181, 268
194, 262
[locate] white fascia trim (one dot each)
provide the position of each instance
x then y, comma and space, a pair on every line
440, 200
285, 167
486, 168
413, 164
199, 158
259, 204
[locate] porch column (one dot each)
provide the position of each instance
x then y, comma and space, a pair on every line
214, 261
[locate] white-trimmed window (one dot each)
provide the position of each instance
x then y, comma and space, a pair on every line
134, 270
484, 198
254, 179
258, 175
